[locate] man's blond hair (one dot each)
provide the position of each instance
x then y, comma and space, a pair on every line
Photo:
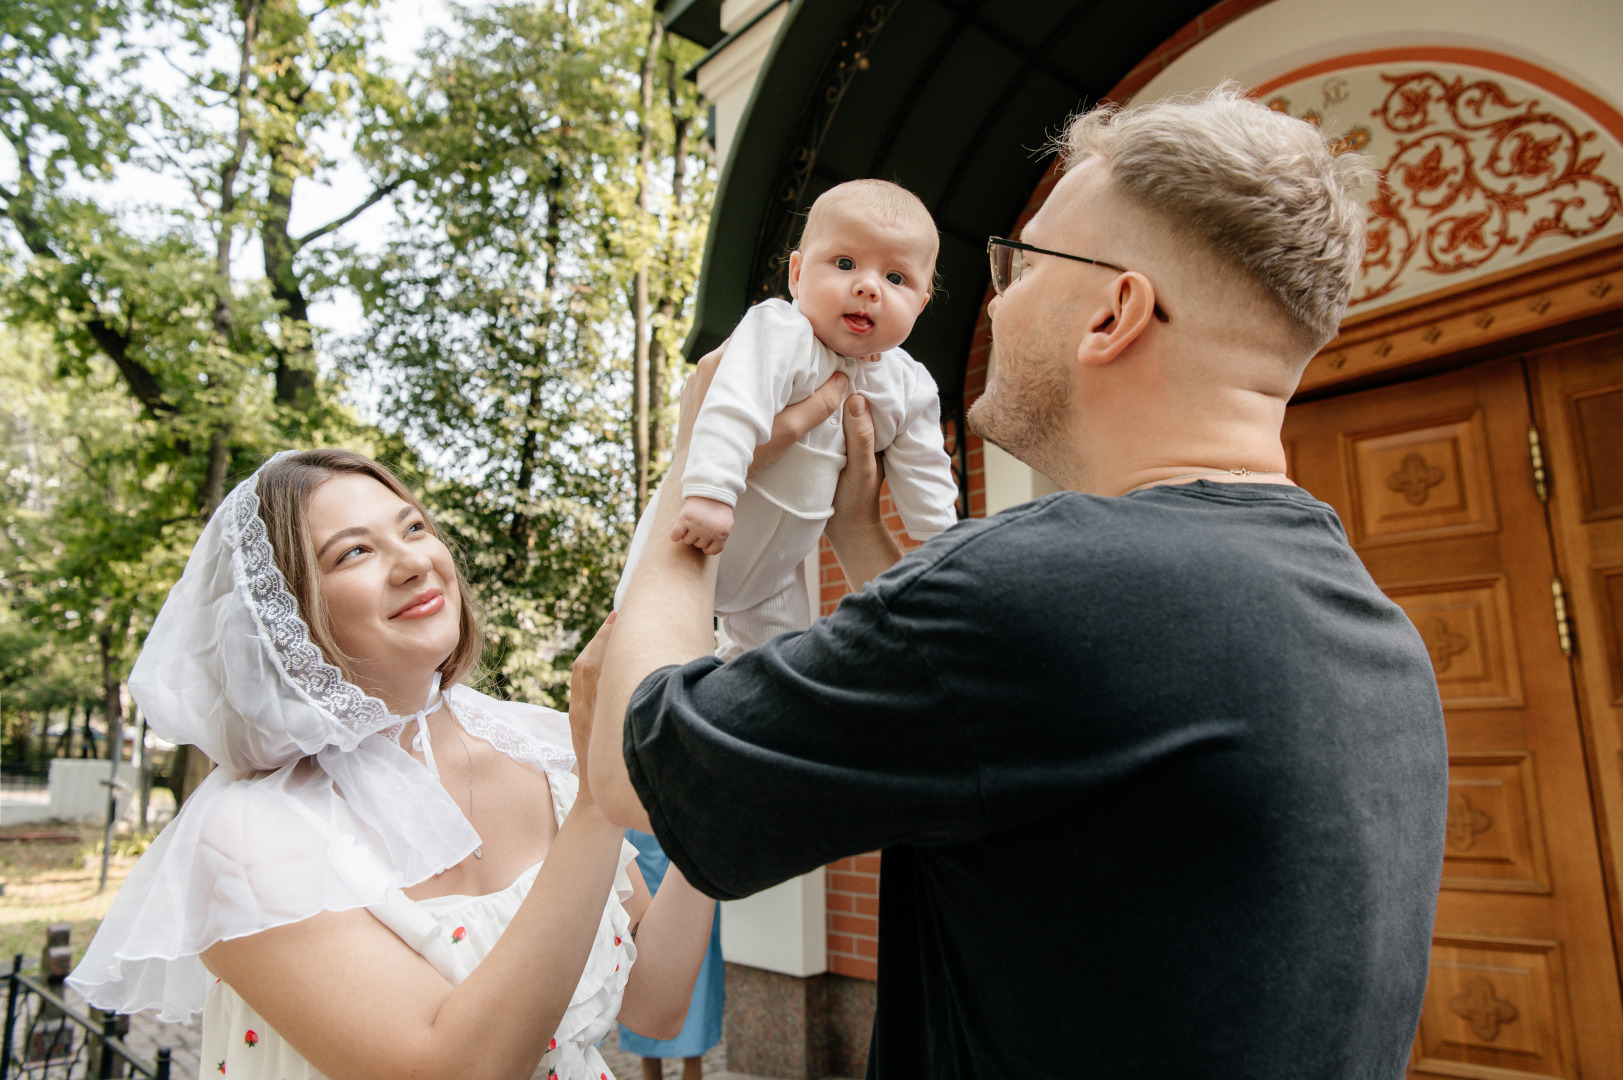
1253, 186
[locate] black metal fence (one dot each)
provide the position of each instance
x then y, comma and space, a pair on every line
45, 1039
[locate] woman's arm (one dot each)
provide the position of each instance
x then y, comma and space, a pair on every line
671, 930
672, 933
360, 1004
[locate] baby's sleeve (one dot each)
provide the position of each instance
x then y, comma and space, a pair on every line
917, 468
752, 385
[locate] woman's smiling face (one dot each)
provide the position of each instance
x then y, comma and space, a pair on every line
389, 584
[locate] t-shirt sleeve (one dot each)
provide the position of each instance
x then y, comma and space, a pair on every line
816, 746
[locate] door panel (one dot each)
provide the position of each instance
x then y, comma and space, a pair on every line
1433, 480
1580, 404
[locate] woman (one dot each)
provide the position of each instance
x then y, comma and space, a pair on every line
390, 874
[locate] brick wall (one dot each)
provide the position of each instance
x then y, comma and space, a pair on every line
853, 884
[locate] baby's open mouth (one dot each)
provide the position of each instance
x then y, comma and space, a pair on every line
859, 322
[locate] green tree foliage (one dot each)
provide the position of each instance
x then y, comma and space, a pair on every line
501, 333
543, 163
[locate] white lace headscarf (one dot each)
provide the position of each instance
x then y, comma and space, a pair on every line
314, 806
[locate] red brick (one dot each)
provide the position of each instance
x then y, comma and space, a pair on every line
854, 924
867, 864
842, 864
842, 902
864, 905
867, 948
856, 883
839, 943
856, 969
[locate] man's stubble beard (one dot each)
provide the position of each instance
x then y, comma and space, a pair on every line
1023, 416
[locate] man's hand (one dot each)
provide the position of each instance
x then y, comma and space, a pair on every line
787, 427
583, 676
857, 532
703, 523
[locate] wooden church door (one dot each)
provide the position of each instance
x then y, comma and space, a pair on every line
1434, 481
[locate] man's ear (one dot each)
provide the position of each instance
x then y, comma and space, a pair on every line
1127, 309
794, 274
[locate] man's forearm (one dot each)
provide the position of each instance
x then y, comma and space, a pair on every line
864, 550
665, 619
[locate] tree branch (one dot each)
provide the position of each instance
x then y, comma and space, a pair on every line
366, 204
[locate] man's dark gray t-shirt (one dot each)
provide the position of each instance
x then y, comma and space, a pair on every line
1159, 780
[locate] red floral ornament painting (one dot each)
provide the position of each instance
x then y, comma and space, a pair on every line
1486, 161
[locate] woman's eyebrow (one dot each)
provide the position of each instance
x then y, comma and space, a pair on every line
361, 530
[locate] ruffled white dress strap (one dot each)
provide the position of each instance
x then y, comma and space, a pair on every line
454, 934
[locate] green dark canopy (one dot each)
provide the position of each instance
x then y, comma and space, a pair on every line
953, 99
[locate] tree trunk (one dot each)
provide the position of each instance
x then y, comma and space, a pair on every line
640, 377
87, 746
295, 355
213, 490
519, 530
659, 361
112, 703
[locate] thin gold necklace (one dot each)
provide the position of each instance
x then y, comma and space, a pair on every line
1208, 472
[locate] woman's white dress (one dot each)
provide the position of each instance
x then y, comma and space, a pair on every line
454, 933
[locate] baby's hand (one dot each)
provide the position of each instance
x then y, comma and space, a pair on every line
704, 523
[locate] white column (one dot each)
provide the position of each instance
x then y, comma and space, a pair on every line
779, 929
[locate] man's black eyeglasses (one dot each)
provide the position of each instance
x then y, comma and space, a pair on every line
1008, 262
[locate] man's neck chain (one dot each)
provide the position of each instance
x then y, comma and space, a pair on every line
1207, 472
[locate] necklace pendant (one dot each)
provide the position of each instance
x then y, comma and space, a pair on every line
479, 852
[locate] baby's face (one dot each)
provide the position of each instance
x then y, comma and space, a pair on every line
862, 282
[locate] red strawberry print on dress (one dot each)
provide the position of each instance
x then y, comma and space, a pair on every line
251, 1038
458, 934
552, 1044
617, 939
222, 1064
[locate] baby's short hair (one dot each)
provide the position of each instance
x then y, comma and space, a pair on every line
891, 203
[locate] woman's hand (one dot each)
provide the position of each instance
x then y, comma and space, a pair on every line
583, 676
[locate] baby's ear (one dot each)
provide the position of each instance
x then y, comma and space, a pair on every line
794, 274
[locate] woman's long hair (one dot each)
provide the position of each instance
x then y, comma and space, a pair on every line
284, 492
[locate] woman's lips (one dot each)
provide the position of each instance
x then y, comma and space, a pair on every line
427, 604
859, 324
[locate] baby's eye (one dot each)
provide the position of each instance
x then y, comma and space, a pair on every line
845, 263
895, 279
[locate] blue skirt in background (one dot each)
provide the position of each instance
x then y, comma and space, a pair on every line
702, 1029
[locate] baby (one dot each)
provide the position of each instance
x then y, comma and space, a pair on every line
860, 278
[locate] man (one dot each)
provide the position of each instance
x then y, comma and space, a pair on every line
1158, 773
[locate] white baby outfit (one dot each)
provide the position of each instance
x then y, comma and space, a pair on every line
774, 360
454, 933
